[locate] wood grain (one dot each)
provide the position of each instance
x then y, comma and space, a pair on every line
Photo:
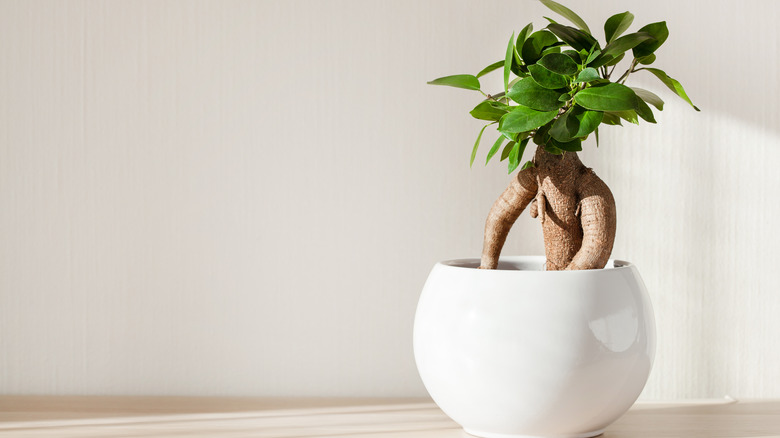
108, 417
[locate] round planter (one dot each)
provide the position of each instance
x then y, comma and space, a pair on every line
522, 352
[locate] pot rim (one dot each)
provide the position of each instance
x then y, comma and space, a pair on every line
527, 265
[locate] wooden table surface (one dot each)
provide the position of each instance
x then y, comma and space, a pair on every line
88, 417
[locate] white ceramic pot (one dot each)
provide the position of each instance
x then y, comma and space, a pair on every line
521, 352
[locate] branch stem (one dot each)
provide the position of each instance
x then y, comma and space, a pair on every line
611, 71
628, 72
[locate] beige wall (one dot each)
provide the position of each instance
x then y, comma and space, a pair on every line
245, 198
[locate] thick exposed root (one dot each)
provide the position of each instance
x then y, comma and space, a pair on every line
504, 213
598, 217
575, 207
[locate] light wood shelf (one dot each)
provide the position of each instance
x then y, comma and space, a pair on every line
164, 417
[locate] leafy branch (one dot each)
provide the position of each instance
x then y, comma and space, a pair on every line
558, 88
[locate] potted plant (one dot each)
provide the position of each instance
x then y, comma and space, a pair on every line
559, 345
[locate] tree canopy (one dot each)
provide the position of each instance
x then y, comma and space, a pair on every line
559, 86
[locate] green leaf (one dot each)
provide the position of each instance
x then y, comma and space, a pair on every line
617, 24
573, 55
599, 82
514, 155
542, 135
551, 149
528, 93
568, 146
628, 115
528, 164
673, 84
615, 60
659, 32
523, 35
511, 136
611, 119
588, 74
649, 97
597, 136
559, 63
535, 44
469, 82
577, 122
647, 60
495, 148
567, 13
517, 61
494, 66
576, 38
644, 111
551, 49
563, 129
620, 46
510, 51
518, 68
546, 78
507, 150
625, 42
489, 110
476, 145
593, 55
523, 145
610, 97
522, 119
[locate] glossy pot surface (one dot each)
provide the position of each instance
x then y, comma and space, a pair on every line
521, 352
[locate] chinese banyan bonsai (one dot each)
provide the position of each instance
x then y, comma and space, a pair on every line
559, 87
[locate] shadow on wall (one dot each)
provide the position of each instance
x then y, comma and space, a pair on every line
714, 172
742, 85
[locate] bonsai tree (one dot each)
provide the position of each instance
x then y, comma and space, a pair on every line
559, 87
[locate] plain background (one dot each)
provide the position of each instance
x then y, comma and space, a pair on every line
245, 198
